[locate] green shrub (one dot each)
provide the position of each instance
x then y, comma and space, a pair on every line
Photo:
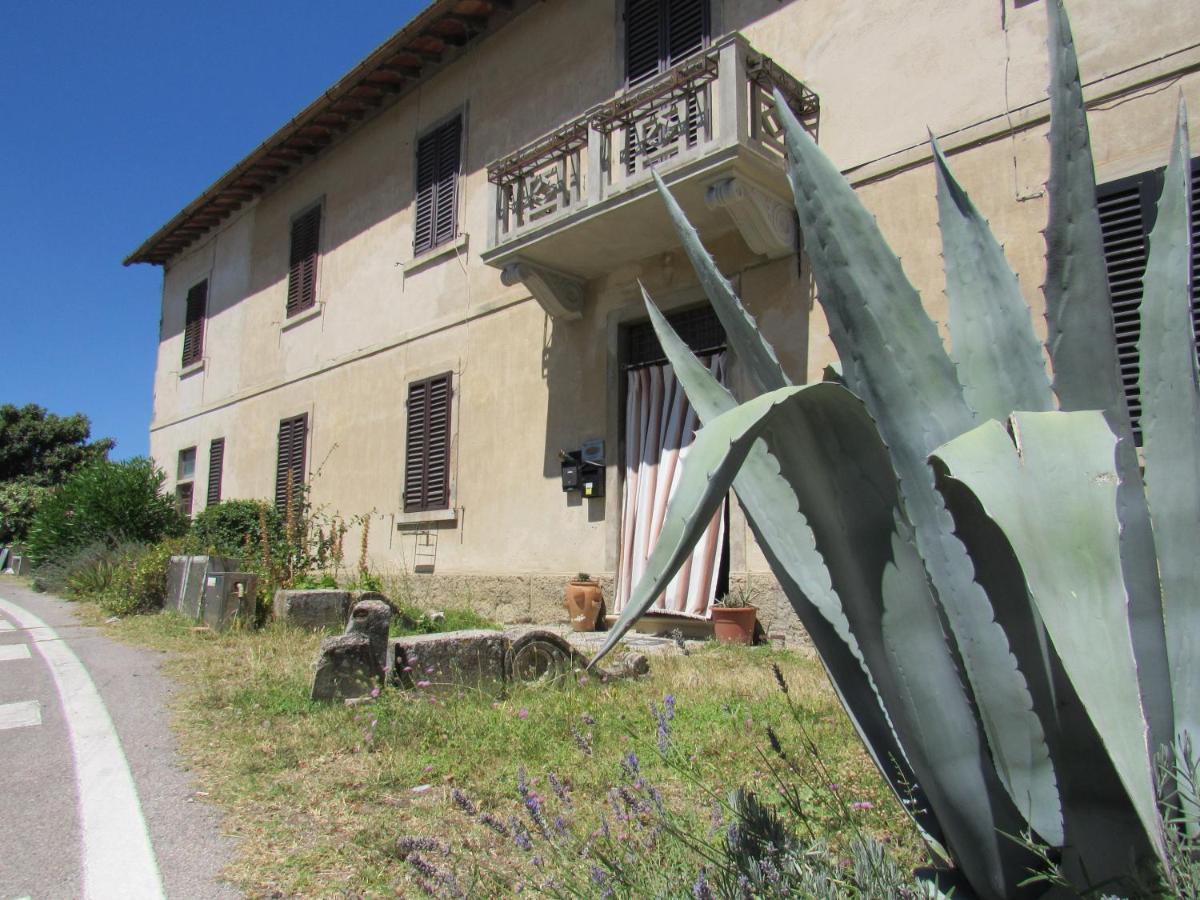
235, 528
105, 503
80, 572
18, 502
139, 580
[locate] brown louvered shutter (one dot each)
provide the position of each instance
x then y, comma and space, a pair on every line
193, 324
1127, 212
289, 463
216, 466
660, 33
438, 163
427, 446
687, 28
302, 264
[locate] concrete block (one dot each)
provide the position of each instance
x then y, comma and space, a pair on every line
312, 608
451, 660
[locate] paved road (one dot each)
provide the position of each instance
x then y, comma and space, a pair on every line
93, 801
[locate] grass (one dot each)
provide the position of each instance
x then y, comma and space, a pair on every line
319, 794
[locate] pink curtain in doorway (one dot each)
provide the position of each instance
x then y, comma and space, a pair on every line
660, 426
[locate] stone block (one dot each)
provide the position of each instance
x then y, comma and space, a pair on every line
451, 660
347, 668
539, 656
313, 609
372, 618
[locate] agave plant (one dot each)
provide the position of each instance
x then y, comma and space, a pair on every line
1006, 609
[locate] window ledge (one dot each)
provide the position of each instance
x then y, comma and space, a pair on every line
426, 516
456, 246
312, 312
191, 369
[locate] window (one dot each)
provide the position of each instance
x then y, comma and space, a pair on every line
289, 462
185, 471
438, 158
660, 33
1127, 212
193, 324
216, 466
427, 448
302, 264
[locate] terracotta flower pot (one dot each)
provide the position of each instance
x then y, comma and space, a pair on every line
584, 602
734, 624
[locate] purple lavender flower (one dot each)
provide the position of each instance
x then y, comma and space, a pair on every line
669, 705
463, 802
598, 875
582, 741
522, 783
520, 834
700, 887
533, 804
629, 765
560, 789
422, 865
493, 823
537, 861
561, 826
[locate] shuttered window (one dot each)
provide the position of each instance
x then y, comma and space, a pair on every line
1127, 212
289, 464
660, 33
438, 163
193, 324
302, 263
427, 448
216, 466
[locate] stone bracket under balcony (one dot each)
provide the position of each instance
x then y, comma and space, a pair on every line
560, 295
580, 201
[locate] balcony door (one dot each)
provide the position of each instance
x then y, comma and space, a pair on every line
660, 426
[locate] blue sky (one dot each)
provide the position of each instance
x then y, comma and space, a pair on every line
115, 115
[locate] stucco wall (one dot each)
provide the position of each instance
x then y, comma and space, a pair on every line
525, 385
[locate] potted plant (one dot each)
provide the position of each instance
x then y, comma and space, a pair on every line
584, 602
734, 616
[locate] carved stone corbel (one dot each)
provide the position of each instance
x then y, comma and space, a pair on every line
559, 294
766, 224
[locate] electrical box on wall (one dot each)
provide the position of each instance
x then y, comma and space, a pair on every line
583, 469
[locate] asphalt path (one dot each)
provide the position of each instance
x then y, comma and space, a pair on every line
94, 801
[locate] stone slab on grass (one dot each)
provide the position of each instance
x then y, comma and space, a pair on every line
346, 668
449, 660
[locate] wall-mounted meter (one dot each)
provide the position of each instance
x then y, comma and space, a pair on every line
583, 469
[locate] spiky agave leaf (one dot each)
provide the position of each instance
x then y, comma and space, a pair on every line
1170, 423
893, 357
992, 341
1051, 487
846, 488
1083, 353
754, 353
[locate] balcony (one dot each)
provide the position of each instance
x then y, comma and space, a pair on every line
580, 201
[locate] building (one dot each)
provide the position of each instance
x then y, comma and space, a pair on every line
422, 293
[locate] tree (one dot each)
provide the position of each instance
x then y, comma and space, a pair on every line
42, 448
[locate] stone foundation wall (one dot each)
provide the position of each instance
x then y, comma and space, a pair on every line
538, 599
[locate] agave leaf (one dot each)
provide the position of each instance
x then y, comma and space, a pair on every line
1084, 355
894, 359
937, 723
713, 461
1170, 422
844, 460
993, 344
753, 352
1052, 488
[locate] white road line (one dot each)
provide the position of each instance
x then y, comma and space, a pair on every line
118, 861
20, 715
13, 651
